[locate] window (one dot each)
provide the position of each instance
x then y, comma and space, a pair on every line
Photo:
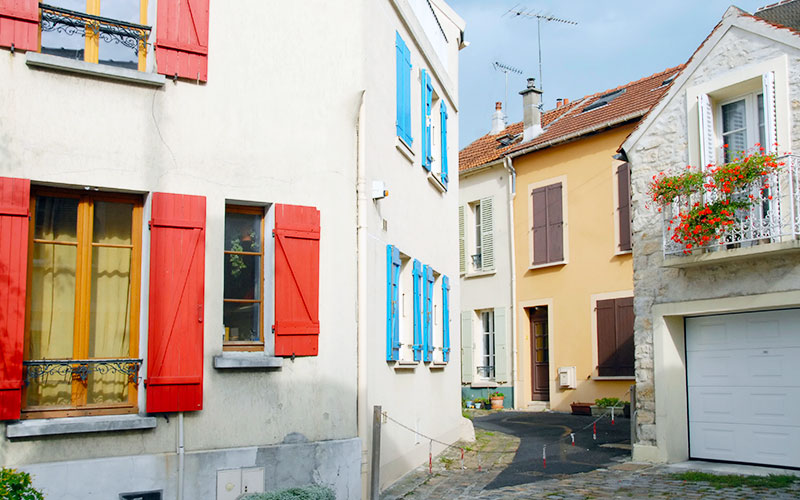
476, 236
113, 32
615, 337
741, 125
403, 83
486, 368
476, 257
426, 91
243, 308
443, 124
83, 303
623, 199
547, 231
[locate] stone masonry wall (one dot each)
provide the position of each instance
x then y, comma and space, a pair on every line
663, 148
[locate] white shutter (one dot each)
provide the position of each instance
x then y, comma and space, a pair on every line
487, 235
707, 152
770, 126
462, 258
501, 372
466, 347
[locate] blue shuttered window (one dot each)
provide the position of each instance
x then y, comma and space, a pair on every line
427, 97
443, 116
403, 65
445, 319
427, 341
417, 274
392, 303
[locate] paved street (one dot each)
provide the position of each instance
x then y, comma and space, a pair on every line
506, 462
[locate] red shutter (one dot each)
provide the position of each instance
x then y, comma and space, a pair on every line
555, 224
177, 271
182, 38
624, 194
296, 280
14, 203
19, 24
624, 334
606, 338
539, 226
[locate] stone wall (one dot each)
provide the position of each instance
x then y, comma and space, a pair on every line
664, 147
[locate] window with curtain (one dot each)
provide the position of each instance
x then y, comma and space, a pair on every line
84, 268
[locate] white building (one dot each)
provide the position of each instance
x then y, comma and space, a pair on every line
154, 337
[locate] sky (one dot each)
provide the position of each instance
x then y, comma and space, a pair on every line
614, 42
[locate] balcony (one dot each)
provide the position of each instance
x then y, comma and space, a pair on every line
770, 224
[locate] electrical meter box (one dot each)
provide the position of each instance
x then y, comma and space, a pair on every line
566, 377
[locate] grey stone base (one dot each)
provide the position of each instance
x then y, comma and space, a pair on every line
335, 463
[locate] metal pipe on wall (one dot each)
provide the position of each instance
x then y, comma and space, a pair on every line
512, 192
180, 456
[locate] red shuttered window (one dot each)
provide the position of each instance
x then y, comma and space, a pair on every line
19, 24
615, 337
297, 234
177, 271
182, 38
14, 200
548, 224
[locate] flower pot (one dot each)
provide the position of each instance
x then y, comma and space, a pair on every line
497, 403
581, 408
478, 405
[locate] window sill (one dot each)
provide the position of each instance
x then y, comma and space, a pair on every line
437, 365
484, 384
49, 61
733, 254
79, 425
622, 252
406, 365
478, 274
548, 264
233, 360
437, 182
405, 149
626, 377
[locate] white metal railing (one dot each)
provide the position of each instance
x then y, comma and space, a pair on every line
774, 217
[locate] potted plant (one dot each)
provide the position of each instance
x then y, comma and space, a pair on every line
604, 405
581, 408
478, 402
497, 400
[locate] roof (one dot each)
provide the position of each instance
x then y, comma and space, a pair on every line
786, 13
578, 118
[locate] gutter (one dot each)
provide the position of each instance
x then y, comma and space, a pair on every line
512, 192
362, 416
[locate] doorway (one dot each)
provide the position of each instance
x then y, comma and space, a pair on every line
540, 365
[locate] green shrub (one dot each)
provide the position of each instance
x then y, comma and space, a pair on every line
17, 486
312, 492
609, 402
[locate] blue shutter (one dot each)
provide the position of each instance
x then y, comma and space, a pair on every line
427, 96
417, 273
427, 341
392, 303
445, 319
403, 83
443, 114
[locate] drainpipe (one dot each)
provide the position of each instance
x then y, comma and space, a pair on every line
512, 192
361, 269
180, 456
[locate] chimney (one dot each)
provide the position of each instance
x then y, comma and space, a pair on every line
498, 119
531, 113
559, 102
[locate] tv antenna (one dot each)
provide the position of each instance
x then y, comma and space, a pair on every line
516, 11
505, 68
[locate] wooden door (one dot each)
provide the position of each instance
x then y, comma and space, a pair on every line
540, 366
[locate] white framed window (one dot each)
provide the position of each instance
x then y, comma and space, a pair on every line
740, 125
486, 355
406, 319
476, 236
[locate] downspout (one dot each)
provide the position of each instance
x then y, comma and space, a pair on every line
181, 467
512, 191
361, 269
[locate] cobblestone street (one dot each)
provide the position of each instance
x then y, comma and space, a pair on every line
493, 451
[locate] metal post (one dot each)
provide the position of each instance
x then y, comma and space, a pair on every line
375, 465
633, 416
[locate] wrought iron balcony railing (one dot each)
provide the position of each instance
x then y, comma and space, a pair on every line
72, 22
773, 217
81, 368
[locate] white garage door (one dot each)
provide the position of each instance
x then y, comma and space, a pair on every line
743, 376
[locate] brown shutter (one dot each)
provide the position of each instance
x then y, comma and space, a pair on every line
624, 323
539, 226
624, 208
606, 338
555, 224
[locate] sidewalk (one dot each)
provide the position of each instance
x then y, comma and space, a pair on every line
485, 459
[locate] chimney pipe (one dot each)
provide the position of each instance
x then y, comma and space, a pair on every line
531, 111
559, 102
498, 119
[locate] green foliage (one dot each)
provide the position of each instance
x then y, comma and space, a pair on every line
312, 492
609, 402
497, 394
736, 481
16, 485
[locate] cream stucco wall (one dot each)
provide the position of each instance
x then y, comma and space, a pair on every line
594, 269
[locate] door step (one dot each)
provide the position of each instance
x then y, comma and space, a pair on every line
538, 406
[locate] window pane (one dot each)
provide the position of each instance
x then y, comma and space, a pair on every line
110, 312
242, 277
52, 316
106, 388
733, 117
60, 43
241, 322
121, 10
762, 132
242, 232
112, 223
112, 53
56, 219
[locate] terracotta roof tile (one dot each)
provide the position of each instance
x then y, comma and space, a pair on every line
571, 121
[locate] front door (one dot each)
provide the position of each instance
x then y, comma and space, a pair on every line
540, 367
